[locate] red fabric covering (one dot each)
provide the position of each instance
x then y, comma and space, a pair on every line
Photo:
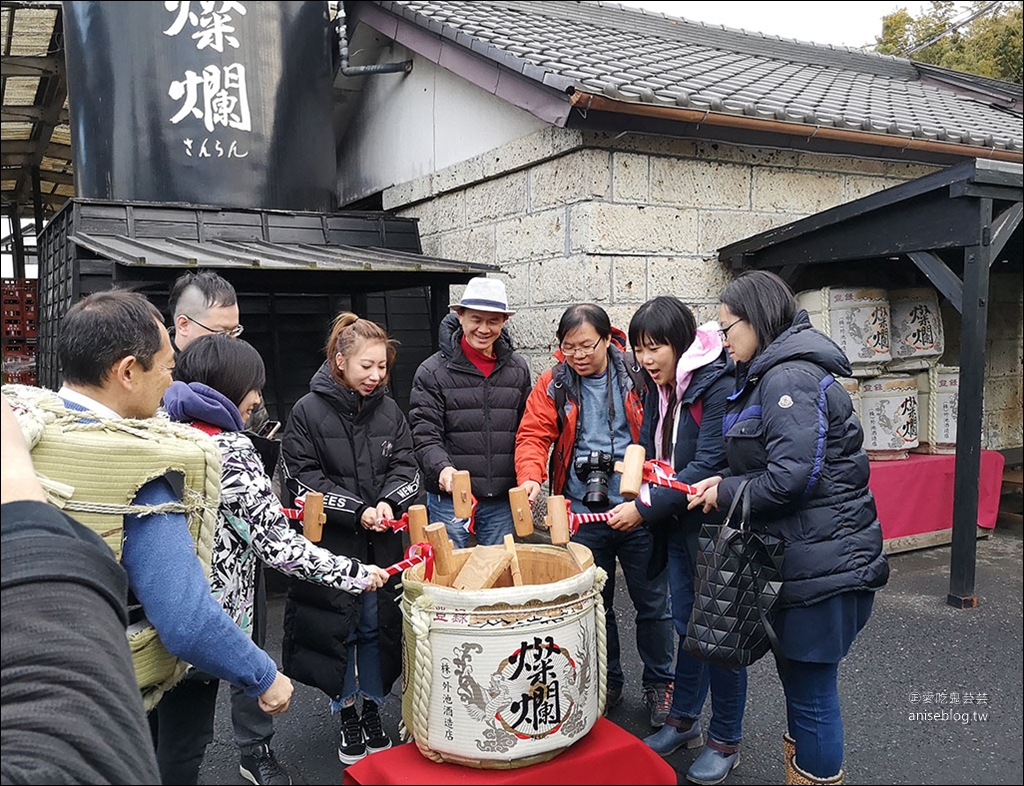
607, 755
915, 495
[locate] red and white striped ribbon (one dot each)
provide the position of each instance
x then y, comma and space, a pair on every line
399, 524
575, 519
414, 555
296, 513
660, 473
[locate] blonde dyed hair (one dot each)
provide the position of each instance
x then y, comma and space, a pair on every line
348, 333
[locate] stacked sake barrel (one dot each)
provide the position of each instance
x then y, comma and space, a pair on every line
894, 339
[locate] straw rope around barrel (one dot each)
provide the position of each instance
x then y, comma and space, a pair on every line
600, 577
420, 612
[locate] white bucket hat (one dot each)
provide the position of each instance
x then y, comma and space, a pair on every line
485, 294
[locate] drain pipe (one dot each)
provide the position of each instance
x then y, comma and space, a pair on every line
376, 68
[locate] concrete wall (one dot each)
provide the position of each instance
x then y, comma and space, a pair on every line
572, 217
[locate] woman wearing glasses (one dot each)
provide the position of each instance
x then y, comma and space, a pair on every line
791, 431
589, 408
682, 426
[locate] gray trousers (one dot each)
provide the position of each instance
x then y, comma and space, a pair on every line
252, 726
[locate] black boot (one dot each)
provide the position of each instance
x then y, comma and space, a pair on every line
352, 747
376, 738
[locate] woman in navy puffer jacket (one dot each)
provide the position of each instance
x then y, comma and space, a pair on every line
791, 431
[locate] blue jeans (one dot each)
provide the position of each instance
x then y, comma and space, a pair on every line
492, 520
694, 676
362, 674
649, 596
813, 716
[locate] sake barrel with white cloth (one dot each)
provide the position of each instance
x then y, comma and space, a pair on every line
857, 319
504, 677
917, 340
889, 416
937, 394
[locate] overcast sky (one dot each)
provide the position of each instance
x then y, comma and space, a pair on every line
854, 24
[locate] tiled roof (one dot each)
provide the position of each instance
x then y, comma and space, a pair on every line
632, 55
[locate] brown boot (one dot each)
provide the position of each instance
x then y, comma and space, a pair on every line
788, 753
797, 777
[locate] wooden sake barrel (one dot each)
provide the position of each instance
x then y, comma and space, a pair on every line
917, 339
889, 416
937, 396
509, 676
857, 319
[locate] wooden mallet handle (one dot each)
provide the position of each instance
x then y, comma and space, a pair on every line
444, 561
558, 518
313, 518
462, 494
632, 469
417, 524
519, 502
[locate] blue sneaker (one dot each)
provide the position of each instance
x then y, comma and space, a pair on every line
669, 739
714, 765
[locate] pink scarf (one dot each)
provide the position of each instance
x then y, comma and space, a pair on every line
706, 348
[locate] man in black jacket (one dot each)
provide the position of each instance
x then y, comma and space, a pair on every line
466, 403
72, 708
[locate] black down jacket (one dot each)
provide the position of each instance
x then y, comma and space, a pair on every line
791, 429
358, 452
464, 420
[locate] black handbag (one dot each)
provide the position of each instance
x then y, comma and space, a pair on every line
736, 585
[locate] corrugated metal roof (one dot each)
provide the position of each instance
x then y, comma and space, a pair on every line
172, 252
33, 91
631, 55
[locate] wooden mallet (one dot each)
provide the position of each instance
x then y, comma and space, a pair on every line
444, 560
522, 516
313, 518
417, 524
632, 470
462, 494
558, 520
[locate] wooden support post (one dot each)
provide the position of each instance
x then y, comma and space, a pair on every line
517, 574
313, 518
558, 520
632, 470
462, 494
522, 517
444, 565
417, 524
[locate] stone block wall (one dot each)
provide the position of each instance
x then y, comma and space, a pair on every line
575, 217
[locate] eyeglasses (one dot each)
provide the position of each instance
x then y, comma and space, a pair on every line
234, 332
580, 352
724, 332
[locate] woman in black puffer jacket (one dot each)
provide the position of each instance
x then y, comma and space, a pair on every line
791, 431
349, 440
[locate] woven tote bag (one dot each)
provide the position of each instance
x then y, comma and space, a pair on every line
737, 584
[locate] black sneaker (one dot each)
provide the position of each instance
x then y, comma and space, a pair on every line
376, 738
351, 748
260, 766
658, 700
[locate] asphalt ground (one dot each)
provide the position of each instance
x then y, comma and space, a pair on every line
915, 653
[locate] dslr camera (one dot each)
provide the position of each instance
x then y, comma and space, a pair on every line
593, 469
